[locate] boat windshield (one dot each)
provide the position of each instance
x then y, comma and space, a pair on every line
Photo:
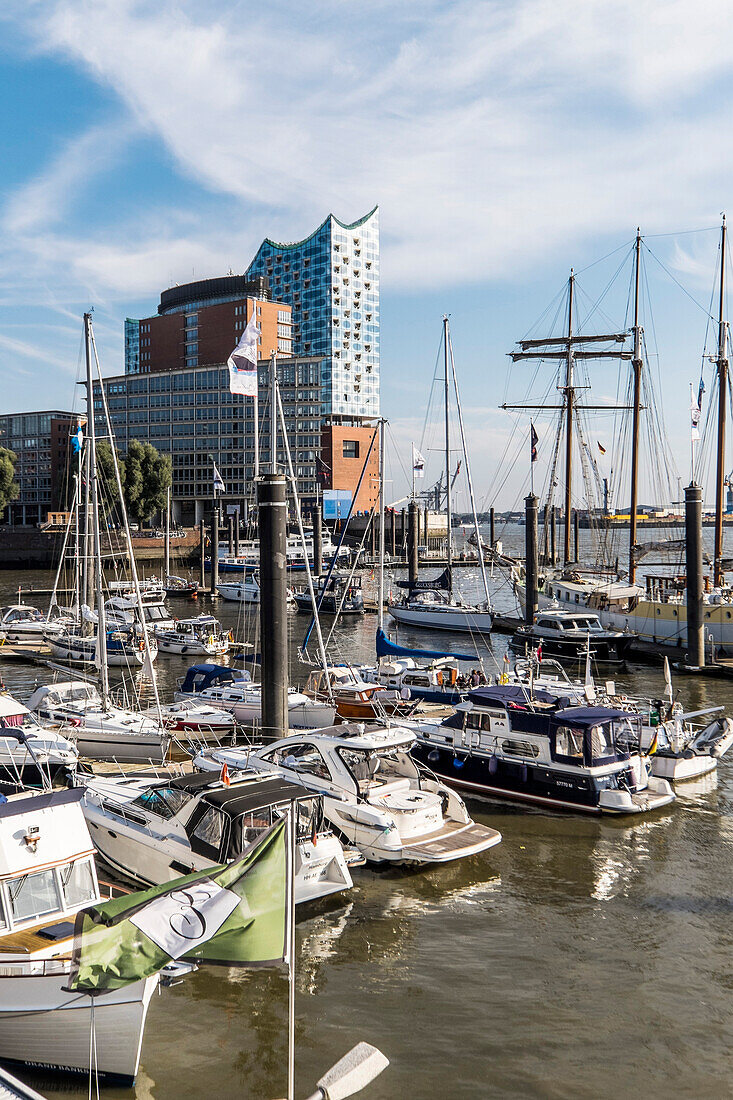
164, 802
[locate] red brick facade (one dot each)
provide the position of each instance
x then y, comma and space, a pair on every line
343, 451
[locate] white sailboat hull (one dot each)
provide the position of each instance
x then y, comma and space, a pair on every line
43, 1026
456, 619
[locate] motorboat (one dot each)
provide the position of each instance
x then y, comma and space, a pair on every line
200, 636
438, 681
99, 729
124, 647
22, 623
123, 610
33, 756
335, 595
571, 635
180, 587
233, 690
507, 741
152, 832
188, 716
246, 590
385, 803
249, 553
47, 875
353, 697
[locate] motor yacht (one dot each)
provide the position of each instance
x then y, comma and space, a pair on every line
390, 807
337, 594
232, 690
47, 875
530, 746
188, 716
153, 832
200, 636
246, 590
34, 756
570, 635
99, 729
21, 623
124, 647
353, 697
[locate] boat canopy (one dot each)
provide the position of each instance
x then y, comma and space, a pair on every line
387, 648
506, 695
200, 677
443, 582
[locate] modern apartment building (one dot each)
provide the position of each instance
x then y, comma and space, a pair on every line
331, 282
41, 440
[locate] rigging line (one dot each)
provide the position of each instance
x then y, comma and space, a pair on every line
432, 390
559, 301
597, 304
686, 232
676, 280
624, 244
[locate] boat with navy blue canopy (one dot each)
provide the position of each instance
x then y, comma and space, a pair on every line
509, 741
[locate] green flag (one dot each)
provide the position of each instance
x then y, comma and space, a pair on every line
234, 915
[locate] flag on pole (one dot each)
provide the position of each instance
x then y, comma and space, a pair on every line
418, 463
533, 441
700, 391
601, 448
668, 689
235, 915
242, 362
694, 417
219, 486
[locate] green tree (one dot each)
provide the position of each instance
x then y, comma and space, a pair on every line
147, 476
9, 488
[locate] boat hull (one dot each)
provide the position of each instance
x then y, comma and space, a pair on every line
455, 619
127, 748
44, 1027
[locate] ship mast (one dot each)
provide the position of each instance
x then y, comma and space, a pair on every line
569, 403
636, 363
448, 509
722, 365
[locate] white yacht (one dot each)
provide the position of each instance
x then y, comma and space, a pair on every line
153, 832
391, 808
201, 636
34, 756
246, 590
124, 648
249, 553
437, 610
99, 729
232, 690
20, 622
47, 875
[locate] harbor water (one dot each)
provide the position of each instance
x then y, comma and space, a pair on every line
580, 958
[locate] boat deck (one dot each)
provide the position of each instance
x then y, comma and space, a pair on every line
451, 839
28, 941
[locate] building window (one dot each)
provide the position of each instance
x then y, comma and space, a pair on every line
351, 448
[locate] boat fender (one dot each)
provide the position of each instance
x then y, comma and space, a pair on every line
523, 773
457, 763
687, 754
493, 765
184, 649
434, 756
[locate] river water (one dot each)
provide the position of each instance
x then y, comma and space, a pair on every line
580, 958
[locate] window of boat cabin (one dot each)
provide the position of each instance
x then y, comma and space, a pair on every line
164, 802
78, 883
569, 744
302, 758
482, 719
34, 895
520, 748
209, 831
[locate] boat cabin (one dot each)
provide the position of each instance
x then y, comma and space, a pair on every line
201, 677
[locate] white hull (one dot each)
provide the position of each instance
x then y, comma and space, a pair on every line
113, 744
42, 1026
192, 649
456, 619
83, 651
239, 593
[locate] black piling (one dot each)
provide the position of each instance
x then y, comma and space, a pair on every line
272, 523
576, 525
553, 535
531, 567
693, 540
231, 535
214, 549
202, 554
236, 534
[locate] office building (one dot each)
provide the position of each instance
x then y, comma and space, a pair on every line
331, 282
198, 324
41, 441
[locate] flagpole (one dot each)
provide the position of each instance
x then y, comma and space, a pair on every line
291, 955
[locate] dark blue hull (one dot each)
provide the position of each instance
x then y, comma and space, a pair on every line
492, 777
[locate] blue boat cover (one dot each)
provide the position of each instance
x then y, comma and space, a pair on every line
386, 648
204, 676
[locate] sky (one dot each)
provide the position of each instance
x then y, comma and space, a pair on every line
147, 144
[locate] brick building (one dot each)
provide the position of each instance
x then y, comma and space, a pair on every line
41, 440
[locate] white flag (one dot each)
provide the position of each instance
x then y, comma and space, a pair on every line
242, 362
219, 486
694, 417
418, 463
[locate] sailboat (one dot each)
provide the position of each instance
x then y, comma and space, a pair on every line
657, 610
433, 604
100, 729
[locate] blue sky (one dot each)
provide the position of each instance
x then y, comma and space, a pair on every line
146, 144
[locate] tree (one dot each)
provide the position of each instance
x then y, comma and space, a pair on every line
147, 475
9, 488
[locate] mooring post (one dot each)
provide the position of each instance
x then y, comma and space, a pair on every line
272, 521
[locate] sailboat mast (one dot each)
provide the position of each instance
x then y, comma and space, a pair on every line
380, 579
569, 404
722, 405
448, 509
636, 363
97, 545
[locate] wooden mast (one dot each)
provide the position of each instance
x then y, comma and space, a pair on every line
722, 363
569, 404
636, 363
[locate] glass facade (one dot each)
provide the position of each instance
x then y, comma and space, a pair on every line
190, 415
132, 346
331, 281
